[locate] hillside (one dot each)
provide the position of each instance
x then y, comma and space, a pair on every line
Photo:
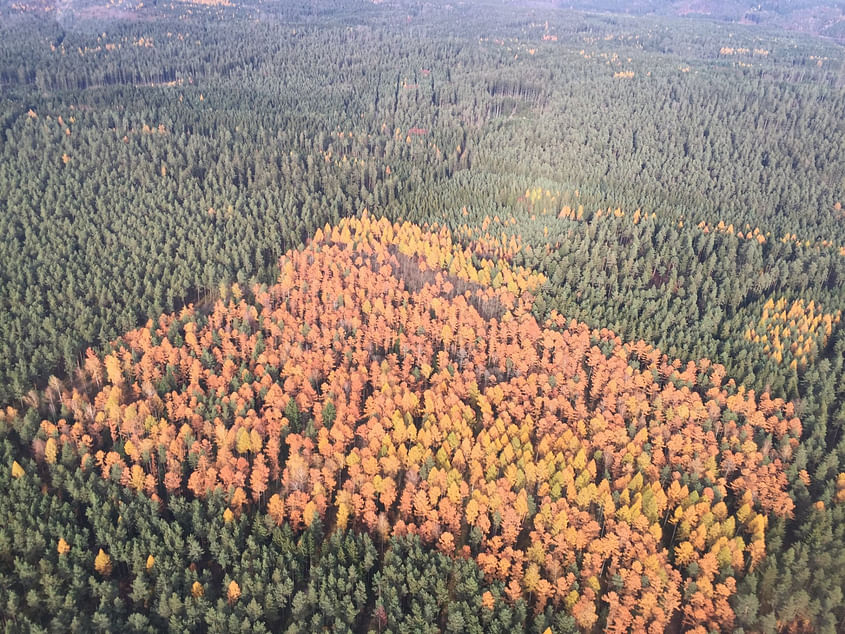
826, 19
392, 383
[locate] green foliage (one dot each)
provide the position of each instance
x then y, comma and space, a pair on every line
421, 591
290, 583
135, 179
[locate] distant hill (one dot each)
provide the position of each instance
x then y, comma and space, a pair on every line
810, 16
822, 18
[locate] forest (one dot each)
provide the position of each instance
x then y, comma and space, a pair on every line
403, 316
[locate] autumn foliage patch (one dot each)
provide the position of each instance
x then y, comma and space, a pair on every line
394, 382
793, 334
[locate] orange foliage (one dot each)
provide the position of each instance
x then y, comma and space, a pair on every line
388, 378
233, 592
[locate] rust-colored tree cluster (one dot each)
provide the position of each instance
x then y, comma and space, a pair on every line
386, 384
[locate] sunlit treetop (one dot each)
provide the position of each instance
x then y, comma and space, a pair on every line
389, 383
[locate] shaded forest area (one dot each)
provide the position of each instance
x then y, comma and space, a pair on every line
675, 183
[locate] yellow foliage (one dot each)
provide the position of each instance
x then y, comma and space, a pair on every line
50, 451
309, 512
684, 553
113, 369
233, 592
243, 443
137, 477
531, 578
102, 563
798, 331
255, 441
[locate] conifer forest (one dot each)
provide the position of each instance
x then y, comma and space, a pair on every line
422, 316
